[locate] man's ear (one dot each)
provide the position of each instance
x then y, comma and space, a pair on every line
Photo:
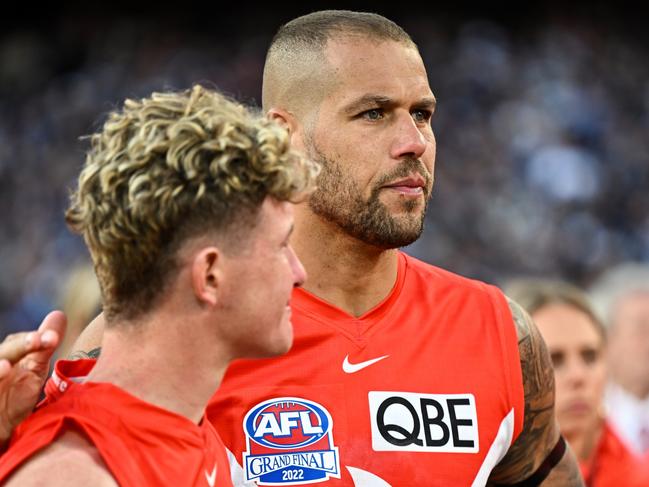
283, 118
207, 275
289, 121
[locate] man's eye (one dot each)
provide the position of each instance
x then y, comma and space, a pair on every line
421, 116
374, 114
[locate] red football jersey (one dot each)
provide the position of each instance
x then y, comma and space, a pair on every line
141, 444
613, 464
424, 389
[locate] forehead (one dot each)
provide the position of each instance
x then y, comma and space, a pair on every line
275, 219
636, 302
564, 326
361, 66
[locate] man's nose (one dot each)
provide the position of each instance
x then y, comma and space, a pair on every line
299, 273
408, 141
577, 372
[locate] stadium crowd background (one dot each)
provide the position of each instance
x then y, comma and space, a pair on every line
542, 129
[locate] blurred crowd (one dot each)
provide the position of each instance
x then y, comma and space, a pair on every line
543, 140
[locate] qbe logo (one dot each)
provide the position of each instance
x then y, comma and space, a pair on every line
405, 421
289, 440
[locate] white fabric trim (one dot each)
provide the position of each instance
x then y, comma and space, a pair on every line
628, 415
236, 472
497, 450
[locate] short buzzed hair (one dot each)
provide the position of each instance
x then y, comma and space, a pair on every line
303, 40
172, 167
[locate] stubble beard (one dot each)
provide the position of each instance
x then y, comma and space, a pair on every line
338, 200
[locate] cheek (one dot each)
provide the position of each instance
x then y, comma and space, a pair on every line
599, 375
563, 389
430, 154
280, 281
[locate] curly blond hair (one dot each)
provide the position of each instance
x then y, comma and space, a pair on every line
170, 167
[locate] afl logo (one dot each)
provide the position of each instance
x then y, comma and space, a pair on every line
288, 424
289, 439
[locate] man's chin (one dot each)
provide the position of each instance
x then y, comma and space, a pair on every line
406, 214
407, 228
284, 345
275, 350
389, 242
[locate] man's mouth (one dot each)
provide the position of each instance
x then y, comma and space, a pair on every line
413, 185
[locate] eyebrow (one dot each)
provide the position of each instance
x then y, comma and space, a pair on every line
365, 101
428, 103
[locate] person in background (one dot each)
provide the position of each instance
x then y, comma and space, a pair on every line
621, 298
577, 344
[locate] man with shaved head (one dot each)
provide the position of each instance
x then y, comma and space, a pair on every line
400, 373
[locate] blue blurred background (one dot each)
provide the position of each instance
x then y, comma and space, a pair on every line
542, 128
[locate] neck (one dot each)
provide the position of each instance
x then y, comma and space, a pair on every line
163, 362
584, 442
342, 270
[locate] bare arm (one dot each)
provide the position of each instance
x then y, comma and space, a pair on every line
88, 344
540, 429
70, 461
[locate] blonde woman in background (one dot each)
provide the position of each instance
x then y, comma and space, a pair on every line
576, 341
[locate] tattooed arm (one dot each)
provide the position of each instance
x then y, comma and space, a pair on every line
540, 429
79, 354
88, 344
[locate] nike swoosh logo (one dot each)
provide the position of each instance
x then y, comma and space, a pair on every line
211, 478
351, 368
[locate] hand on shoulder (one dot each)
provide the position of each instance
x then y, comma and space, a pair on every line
24, 366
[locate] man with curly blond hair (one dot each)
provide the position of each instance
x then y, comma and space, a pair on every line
185, 203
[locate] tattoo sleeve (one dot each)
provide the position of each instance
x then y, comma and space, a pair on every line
79, 354
540, 430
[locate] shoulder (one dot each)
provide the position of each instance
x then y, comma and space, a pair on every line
430, 275
618, 460
69, 461
88, 344
455, 297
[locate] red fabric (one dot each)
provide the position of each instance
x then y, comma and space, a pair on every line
442, 334
140, 443
613, 465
